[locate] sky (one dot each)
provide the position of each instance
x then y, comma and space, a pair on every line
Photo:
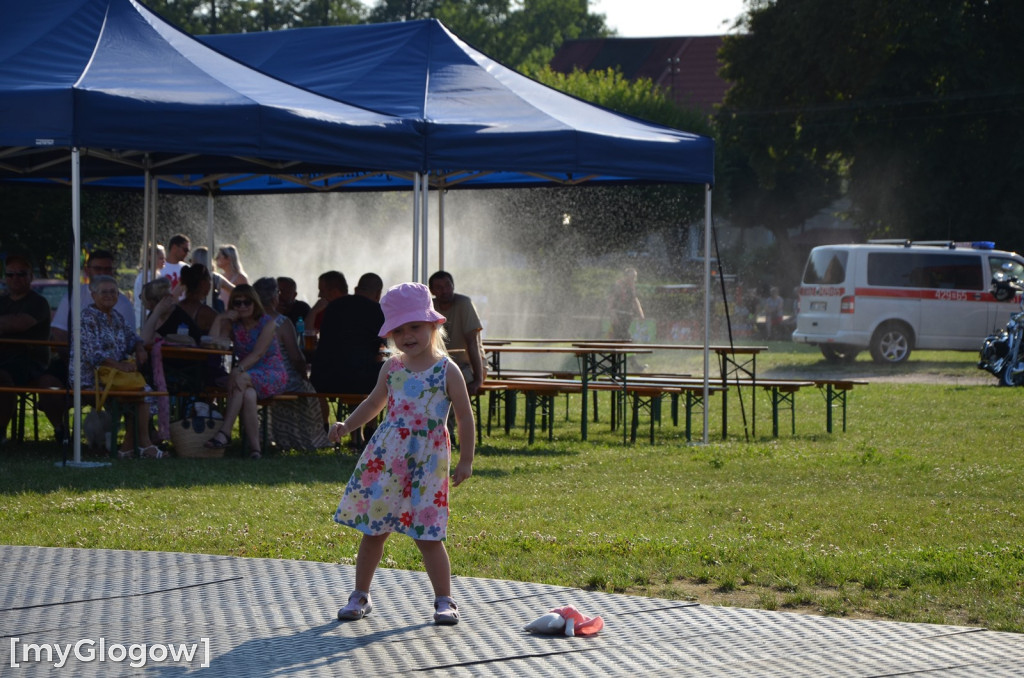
659, 18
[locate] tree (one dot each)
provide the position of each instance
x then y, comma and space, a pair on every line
201, 17
912, 109
521, 34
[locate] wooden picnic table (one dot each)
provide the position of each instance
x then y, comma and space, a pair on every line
734, 362
594, 362
33, 342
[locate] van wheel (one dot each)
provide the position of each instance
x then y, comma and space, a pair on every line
891, 343
839, 354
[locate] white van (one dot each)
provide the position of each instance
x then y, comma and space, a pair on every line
894, 296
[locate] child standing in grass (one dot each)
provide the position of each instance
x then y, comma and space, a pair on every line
400, 483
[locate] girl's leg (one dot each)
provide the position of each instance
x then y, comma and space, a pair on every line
371, 550
437, 565
439, 569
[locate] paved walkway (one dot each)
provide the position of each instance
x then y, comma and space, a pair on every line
256, 617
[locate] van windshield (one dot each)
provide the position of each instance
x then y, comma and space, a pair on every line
825, 267
1008, 266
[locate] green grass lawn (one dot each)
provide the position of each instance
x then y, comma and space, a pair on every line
913, 514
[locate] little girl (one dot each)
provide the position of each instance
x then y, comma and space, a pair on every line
401, 481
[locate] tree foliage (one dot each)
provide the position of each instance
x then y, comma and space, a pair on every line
912, 109
201, 17
518, 33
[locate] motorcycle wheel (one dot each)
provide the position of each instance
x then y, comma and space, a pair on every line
1012, 375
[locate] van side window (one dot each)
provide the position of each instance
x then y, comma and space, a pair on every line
826, 267
939, 271
1014, 268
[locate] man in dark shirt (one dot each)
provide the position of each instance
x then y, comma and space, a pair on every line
24, 315
348, 357
287, 304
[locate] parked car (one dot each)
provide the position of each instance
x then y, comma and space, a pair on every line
892, 297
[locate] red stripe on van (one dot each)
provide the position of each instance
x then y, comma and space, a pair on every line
940, 295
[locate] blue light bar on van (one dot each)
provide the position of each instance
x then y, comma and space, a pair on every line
983, 245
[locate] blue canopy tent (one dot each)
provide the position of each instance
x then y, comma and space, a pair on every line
477, 115
101, 87
109, 86
484, 124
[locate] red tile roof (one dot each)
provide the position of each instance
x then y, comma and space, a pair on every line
686, 66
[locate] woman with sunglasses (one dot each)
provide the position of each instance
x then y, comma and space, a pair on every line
259, 370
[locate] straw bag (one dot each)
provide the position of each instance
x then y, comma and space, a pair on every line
190, 433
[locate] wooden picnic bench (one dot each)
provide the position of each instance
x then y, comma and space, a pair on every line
540, 394
114, 397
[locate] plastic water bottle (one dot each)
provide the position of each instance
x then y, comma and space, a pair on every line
300, 327
182, 329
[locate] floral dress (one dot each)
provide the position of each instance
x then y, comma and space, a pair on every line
401, 481
268, 374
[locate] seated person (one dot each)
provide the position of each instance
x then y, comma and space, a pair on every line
297, 424
168, 315
100, 262
330, 286
25, 314
287, 304
109, 340
348, 356
169, 312
259, 371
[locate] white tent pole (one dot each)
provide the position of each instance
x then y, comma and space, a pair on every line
210, 253
415, 226
76, 302
148, 255
152, 206
440, 228
425, 239
707, 303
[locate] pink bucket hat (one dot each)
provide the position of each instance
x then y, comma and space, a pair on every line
407, 303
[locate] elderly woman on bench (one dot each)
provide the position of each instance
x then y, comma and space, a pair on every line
108, 341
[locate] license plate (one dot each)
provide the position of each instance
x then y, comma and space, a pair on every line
818, 305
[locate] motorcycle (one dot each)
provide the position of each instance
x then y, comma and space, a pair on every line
1002, 353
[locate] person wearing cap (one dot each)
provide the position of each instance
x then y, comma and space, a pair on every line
400, 483
463, 328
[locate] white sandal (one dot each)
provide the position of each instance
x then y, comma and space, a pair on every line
358, 606
153, 452
447, 612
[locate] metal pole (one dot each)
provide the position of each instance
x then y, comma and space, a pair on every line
415, 226
440, 228
425, 239
76, 301
707, 304
211, 254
